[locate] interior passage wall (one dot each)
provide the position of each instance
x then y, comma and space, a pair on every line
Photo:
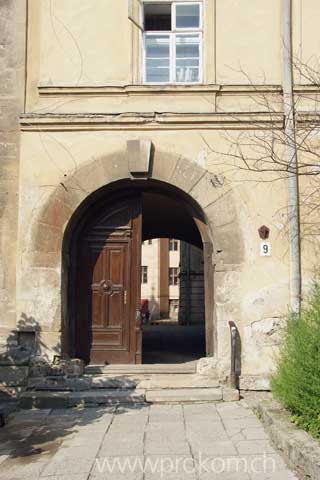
192, 304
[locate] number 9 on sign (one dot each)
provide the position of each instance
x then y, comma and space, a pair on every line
265, 249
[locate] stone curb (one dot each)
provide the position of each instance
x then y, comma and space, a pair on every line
300, 450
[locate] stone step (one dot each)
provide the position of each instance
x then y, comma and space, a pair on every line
90, 398
118, 381
86, 382
185, 395
152, 381
181, 368
112, 396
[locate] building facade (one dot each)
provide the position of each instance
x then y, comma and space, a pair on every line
172, 282
119, 121
160, 265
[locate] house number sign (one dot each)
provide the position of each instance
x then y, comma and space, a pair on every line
265, 249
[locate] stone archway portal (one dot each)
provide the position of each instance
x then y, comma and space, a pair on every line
107, 271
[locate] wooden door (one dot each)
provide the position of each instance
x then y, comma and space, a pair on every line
108, 326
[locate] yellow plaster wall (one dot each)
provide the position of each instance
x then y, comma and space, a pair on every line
85, 42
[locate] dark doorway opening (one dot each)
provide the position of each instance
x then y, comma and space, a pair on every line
172, 343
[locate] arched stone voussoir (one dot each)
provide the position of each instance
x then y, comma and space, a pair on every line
99, 172
57, 211
176, 170
209, 189
163, 165
47, 239
50, 225
186, 175
223, 220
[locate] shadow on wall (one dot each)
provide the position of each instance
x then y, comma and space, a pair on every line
24, 342
20, 353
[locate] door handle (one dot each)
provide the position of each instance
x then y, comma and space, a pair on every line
125, 297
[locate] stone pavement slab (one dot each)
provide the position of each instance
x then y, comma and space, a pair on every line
126, 467
64, 465
207, 413
19, 468
284, 475
254, 434
127, 445
140, 442
225, 476
81, 476
251, 447
215, 448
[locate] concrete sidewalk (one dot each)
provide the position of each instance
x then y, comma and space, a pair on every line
140, 442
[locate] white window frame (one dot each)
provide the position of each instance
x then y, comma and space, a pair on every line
144, 272
173, 242
175, 276
157, 34
174, 17
172, 42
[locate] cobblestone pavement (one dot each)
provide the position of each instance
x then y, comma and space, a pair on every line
173, 442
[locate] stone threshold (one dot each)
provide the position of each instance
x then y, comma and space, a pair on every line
300, 450
155, 368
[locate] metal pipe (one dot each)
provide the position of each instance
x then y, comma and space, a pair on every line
291, 149
235, 368
233, 336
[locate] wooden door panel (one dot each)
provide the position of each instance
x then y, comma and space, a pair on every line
114, 338
109, 255
119, 276
110, 282
108, 291
115, 313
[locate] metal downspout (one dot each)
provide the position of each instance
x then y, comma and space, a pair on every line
291, 149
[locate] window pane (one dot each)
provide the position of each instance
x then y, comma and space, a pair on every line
173, 276
144, 274
188, 16
173, 245
187, 58
157, 58
157, 17
191, 62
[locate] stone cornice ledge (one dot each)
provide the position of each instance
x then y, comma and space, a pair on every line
133, 90
310, 119
145, 90
150, 121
